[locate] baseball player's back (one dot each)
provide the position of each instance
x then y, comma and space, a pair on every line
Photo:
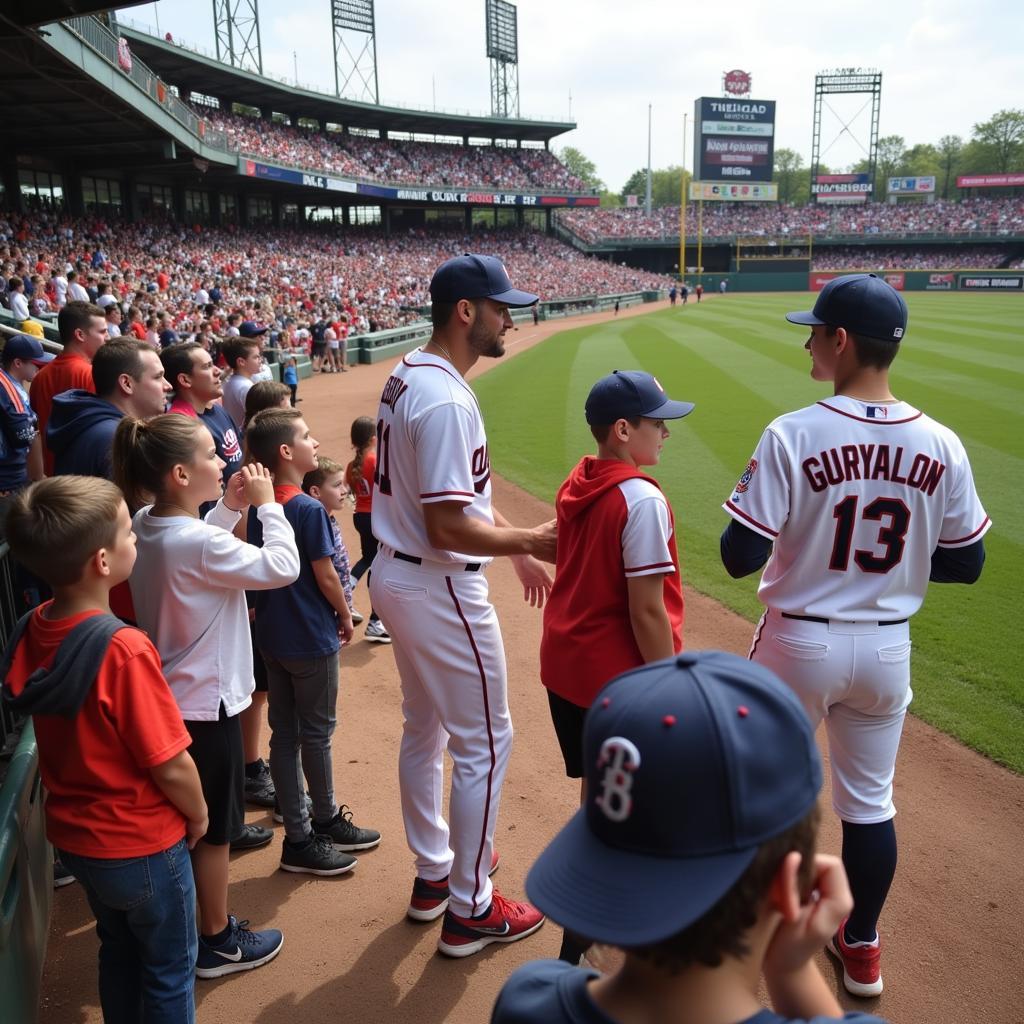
855, 503
855, 497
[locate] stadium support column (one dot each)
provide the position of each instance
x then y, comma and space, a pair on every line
503, 53
845, 81
236, 29
355, 50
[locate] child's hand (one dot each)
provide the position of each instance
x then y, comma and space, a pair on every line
259, 485
346, 629
808, 925
234, 492
195, 830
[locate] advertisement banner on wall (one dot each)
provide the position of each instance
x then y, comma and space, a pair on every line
819, 278
911, 186
991, 283
940, 282
290, 176
841, 188
988, 180
766, 193
734, 139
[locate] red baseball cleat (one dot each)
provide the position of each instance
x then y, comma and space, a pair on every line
862, 963
507, 921
430, 899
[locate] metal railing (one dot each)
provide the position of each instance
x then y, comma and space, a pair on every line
10, 723
293, 83
98, 37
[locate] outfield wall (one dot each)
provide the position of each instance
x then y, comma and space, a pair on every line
902, 280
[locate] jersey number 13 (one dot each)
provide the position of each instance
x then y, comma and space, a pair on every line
893, 518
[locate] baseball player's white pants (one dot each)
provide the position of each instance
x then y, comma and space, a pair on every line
855, 676
451, 660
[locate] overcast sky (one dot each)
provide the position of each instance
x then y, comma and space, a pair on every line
946, 64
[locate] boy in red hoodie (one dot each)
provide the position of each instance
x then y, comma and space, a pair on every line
617, 600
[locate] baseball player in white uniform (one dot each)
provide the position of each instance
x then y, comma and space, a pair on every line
437, 529
860, 499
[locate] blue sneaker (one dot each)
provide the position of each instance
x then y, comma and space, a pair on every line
241, 951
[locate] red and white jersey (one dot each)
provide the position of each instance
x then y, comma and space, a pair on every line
431, 446
856, 496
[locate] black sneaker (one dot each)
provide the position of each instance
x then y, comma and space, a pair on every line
318, 858
279, 817
252, 837
259, 788
344, 834
61, 875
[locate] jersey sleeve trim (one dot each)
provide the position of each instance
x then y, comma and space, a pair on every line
864, 419
434, 495
738, 513
969, 538
653, 567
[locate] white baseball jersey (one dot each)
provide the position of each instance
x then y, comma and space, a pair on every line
431, 447
856, 496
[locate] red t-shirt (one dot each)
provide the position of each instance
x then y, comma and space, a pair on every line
69, 370
102, 801
361, 484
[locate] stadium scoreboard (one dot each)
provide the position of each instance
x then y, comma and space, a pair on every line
734, 139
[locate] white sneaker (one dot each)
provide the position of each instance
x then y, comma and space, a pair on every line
376, 633
357, 617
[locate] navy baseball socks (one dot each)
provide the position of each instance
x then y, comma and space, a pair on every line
869, 856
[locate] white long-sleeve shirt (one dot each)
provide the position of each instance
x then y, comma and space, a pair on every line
188, 587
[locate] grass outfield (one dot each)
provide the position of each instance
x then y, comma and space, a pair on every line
737, 358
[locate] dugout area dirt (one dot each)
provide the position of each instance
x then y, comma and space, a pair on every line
951, 925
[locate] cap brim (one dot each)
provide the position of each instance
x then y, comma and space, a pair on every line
46, 357
514, 297
808, 319
671, 411
623, 898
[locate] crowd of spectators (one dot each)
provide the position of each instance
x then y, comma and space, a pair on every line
171, 281
999, 216
391, 161
873, 257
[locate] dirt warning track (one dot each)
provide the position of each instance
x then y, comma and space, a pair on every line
950, 927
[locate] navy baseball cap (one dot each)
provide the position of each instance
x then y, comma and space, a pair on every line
692, 763
24, 346
251, 329
862, 303
476, 277
630, 394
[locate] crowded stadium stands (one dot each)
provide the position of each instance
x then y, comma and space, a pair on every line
391, 161
873, 257
997, 216
192, 278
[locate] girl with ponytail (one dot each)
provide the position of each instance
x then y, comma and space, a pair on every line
188, 587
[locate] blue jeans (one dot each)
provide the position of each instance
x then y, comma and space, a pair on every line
145, 911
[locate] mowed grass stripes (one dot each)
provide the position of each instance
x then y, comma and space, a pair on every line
738, 359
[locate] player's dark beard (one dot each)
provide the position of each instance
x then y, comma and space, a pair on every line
485, 342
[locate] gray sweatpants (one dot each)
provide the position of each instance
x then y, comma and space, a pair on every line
302, 699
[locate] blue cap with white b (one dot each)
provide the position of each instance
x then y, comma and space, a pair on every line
692, 763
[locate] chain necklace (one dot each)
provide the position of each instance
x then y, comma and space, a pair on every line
444, 351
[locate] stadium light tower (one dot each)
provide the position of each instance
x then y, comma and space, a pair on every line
503, 51
236, 28
355, 50
846, 81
